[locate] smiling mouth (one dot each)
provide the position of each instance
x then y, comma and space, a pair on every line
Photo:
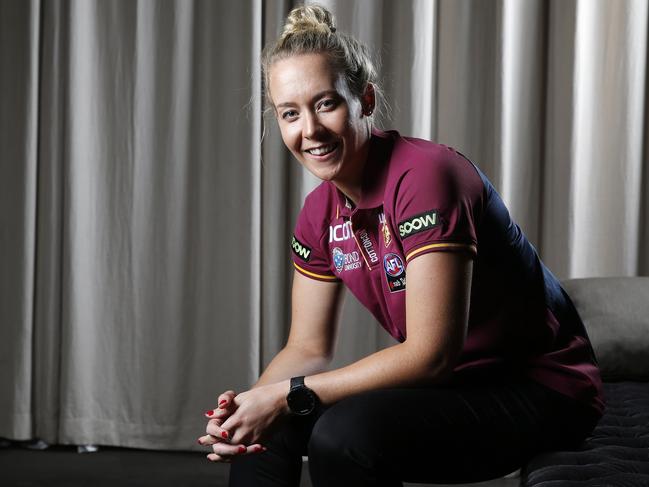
323, 150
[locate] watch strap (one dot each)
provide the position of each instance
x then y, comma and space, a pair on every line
297, 382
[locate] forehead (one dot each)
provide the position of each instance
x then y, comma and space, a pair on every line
300, 77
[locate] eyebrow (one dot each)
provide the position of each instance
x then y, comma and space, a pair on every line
316, 97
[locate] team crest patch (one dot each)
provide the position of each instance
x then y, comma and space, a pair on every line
385, 230
395, 272
339, 259
387, 238
301, 250
418, 223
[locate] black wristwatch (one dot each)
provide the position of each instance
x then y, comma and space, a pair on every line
301, 400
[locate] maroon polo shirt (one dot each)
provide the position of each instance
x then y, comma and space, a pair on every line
420, 197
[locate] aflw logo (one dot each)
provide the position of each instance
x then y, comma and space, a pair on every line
301, 250
418, 223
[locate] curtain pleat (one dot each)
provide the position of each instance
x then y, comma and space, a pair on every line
556, 222
51, 197
19, 54
521, 89
146, 206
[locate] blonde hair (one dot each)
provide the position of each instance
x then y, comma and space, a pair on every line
312, 29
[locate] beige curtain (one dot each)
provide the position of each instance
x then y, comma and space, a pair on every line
144, 224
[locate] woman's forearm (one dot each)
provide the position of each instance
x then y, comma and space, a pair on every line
290, 362
401, 365
396, 366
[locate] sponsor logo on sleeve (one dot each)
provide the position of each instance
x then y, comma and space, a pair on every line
418, 223
395, 272
301, 250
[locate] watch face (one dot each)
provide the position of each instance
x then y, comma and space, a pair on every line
301, 401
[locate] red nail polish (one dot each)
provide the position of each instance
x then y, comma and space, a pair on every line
209, 413
224, 434
242, 449
199, 441
223, 402
259, 448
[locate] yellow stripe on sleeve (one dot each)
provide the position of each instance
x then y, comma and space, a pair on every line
313, 274
444, 245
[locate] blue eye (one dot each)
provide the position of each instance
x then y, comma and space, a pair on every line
289, 114
328, 103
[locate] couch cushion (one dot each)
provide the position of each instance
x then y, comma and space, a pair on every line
616, 454
615, 311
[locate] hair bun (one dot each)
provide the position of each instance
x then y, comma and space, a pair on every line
309, 18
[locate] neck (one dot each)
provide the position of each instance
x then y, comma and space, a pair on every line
351, 183
353, 194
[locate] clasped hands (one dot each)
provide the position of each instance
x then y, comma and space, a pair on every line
238, 424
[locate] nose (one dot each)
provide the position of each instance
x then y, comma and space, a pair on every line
312, 125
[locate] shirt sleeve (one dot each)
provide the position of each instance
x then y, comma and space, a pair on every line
437, 204
308, 250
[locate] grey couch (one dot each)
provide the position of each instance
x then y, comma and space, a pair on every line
615, 312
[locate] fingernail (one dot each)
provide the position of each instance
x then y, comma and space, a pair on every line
224, 434
242, 449
224, 401
199, 441
209, 413
259, 448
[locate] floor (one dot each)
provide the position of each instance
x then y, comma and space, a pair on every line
60, 466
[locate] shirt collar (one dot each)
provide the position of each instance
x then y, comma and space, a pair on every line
375, 174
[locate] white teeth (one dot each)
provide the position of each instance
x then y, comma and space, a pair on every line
320, 151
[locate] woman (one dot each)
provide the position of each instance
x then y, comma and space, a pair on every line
492, 362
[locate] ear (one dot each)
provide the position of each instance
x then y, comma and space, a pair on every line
368, 100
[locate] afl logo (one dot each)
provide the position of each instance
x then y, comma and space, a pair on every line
393, 265
339, 259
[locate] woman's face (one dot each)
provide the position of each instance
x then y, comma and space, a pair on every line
321, 122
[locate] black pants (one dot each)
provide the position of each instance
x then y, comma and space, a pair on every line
446, 434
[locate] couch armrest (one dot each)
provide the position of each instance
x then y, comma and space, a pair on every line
615, 311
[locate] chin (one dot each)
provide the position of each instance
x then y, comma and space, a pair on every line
328, 173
